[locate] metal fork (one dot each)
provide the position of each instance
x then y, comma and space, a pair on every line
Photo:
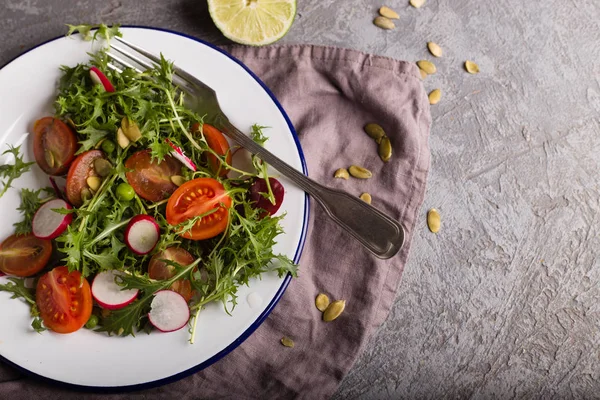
379, 233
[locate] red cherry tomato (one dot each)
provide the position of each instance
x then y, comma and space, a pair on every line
197, 197
54, 145
150, 179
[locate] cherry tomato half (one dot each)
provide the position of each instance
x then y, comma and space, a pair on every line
150, 179
197, 197
54, 145
64, 300
216, 141
24, 255
158, 269
81, 169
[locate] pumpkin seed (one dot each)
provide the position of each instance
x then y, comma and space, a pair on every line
322, 302
341, 173
85, 194
366, 197
433, 220
177, 180
287, 342
334, 310
359, 172
375, 131
49, 157
423, 74
417, 3
122, 140
102, 167
435, 96
388, 13
434, 49
384, 23
94, 183
471, 67
427, 66
385, 149
130, 129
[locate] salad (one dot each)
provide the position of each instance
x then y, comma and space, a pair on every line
155, 219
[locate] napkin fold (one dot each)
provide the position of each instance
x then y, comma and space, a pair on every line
329, 94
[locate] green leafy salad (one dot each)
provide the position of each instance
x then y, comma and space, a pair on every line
153, 222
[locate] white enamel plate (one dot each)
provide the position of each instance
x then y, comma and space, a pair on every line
89, 359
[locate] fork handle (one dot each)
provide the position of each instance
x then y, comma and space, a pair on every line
379, 233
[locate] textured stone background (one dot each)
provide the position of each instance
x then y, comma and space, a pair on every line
503, 302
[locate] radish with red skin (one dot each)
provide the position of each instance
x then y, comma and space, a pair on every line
48, 224
99, 78
259, 201
169, 311
141, 234
180, 155
109, 294
241, 159
59, 193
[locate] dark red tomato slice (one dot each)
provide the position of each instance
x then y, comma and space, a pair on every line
150, 179
54, 145
260, 185
81, 169
24, 255
197, 197
158, 269
216, 141
64, 300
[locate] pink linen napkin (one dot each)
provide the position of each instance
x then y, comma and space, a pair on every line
329, 94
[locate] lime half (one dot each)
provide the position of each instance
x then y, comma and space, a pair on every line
253, 22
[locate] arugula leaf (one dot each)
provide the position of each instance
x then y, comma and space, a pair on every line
102, 30
30, 202
10, 172
16, 286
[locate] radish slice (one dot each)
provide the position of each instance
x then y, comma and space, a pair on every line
180, 155
141, 234
241, 159
57, 191
48, 224
108, 294
100, 79
168, 311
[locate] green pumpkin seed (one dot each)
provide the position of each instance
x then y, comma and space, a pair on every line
102, 167
366, 197
375, 131
385, 149
434, 49
334, 310
49, 157
94, 183
322, 302
85, 194
435, 96
417, 3
433, 220
388, 13
341, 173
177, 180
359, 172
287, 342
130, 129
427, 66
384, 23
423, 74
122, 140
471, 67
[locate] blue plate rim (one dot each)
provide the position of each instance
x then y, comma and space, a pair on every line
274, 301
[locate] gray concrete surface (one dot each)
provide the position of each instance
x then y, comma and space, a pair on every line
503, 302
